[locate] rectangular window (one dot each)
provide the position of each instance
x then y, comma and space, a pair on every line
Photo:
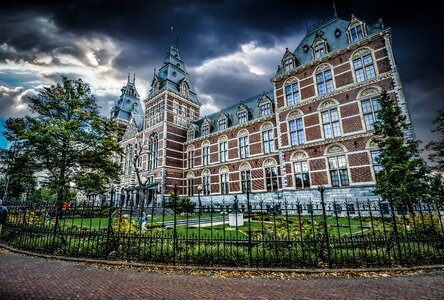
175, 111
265, 109
223, 124
244, 147
184, 111
268, 140
376, 160
301, 175
271, 179
364, 68
296, 132
292, 94
205, 130
192, 116
370, 109
206, 185
338, 171
223, 151
319, 50
246, 181
356, 33
224, 184
242, 117
190, 159
330, 123
206, 155
324, 81
190, 186
190, 135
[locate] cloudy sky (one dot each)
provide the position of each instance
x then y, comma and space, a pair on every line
231, 49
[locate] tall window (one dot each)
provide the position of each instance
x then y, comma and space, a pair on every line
324, 82
184, 111
190, 185
206, 154
268, 140
224, 183
128, 160
301, 175
271, 179
364, 68
222, 124
242, 116
265, 109
223, 151
370, 109
330, 123
190, 157
192, 114
190, 135
153, 148
296, 132
175, 111
244, 147
206, 183
319, 50
292, 94
338, 171
376, 160
288, 64
356, 33
246, 181
205, 130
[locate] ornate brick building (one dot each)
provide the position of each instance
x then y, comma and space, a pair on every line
313, 127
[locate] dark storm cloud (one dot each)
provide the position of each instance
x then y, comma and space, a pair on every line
209, 29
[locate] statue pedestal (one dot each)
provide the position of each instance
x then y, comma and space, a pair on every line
236, 219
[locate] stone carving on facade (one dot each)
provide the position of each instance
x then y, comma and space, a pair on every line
371, 91
298, 155
335, 149
294, 114
327, 103
244, 167
269, 163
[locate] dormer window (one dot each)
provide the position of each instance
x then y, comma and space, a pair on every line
242, 114
185, 89
319, 47
190, 134
265, 109
356, 30
205, 129
288, 61
288, 64
356, 33
222, 124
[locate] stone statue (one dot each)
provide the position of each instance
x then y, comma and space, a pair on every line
235, 206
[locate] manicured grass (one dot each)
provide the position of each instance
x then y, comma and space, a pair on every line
87, 222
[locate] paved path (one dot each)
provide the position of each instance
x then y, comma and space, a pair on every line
24, 277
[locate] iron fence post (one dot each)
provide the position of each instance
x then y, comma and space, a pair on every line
395, 228
109, 219
175, 225
321, 189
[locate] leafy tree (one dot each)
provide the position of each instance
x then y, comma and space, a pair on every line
437, 146
403, 178
67, 138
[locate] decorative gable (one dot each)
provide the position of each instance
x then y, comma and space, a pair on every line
356, 30
319, 46
288, 61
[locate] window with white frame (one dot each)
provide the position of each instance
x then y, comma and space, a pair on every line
268, 140
356, 32
292, 94
288, 64
246, 180
301, 175
222, 123
244, 146
242, 117
206, 154
330, 123
271, 179
296, 132
153, 148
363, 65
376, 161
205, 130
206, 183
190, 186
223, 151
192, 114
370, 110
190, 135
338, 170
128, 160
265, 109
324, 81
190, 158
224, 184
319, 49
175, 111
184, 111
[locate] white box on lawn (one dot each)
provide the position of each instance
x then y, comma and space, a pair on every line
236, 219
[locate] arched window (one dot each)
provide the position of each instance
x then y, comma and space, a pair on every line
153, 148
224, 181
245, 171
128, 159
190, 157
292, 92
206, 154
271, 179
190, 184
206, 179
268, 138
223, 149
337, 165
324, 80
296, 128
363, 65
244, 144
301, 170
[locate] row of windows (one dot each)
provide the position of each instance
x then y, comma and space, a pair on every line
154, 114
363, 67
330, 125
337, 167
152, 155
182, 118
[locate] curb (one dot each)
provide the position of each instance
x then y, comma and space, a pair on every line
222, 268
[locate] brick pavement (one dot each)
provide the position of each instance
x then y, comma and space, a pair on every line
24, 277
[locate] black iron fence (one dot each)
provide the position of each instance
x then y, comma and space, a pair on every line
286, 233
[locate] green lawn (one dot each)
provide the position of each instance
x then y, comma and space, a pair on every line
87, 222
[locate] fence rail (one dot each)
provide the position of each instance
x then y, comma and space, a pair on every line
290, 233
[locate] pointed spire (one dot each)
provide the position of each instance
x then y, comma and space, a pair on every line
134, 79
129, 71
334, 9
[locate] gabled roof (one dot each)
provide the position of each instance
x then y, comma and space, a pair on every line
334, 32
252, 105
172, 74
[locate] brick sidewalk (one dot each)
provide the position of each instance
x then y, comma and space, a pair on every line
24, 277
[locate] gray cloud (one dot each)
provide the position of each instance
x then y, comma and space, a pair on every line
14, 102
